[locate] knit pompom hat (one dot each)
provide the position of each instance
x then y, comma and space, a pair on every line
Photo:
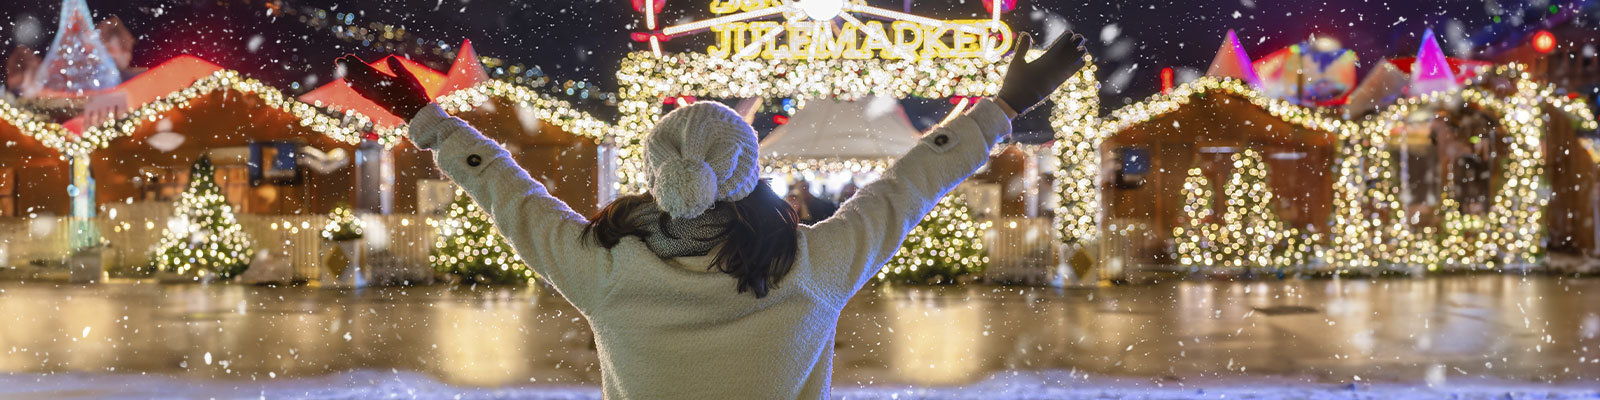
699, 155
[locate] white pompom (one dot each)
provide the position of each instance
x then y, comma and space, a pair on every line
685, 188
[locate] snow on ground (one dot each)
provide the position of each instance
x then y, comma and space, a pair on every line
369, 384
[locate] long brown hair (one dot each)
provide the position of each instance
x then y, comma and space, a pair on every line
758, 243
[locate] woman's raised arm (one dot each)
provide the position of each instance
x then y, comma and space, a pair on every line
542, 229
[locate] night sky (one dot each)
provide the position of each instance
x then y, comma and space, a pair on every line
583, 40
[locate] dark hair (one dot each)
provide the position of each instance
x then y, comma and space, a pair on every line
759, 240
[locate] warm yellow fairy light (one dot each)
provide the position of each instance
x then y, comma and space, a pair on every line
342, 225
1249, 233
33, 125
469, 247
1194, 235
549, 109
1075, 116
945, 245
100, 136
789, 166
204, 238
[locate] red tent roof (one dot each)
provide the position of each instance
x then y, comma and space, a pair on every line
175, 74
465, 72
338, 95
170, 76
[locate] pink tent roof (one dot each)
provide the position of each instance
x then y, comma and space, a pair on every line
1432, 71
1232, 61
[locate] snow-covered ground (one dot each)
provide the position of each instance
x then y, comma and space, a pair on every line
1466, 337
369, 384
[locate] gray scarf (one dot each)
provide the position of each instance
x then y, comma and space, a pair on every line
682, 237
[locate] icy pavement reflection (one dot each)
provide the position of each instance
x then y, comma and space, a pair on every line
1429, 332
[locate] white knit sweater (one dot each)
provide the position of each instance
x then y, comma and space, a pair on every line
670, 329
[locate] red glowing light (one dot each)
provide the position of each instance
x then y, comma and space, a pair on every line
645, 36
1005, 5
1544, 41
1166, 80
959, 99
780, 119
638, 5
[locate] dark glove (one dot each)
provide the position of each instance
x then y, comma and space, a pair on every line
400, 93
1028, 83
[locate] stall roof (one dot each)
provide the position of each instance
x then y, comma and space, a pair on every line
869, 128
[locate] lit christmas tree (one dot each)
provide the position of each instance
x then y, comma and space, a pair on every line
204, 238
1195, 234
77, 60
1249, 232
470, 248
947, 244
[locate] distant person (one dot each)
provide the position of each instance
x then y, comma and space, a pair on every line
846, 192
706, 286
812, 209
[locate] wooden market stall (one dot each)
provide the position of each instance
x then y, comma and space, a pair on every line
268, 161
1148, 194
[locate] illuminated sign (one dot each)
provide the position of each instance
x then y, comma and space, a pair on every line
827, 29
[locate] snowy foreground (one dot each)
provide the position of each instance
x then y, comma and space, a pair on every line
409, 385
1496, 337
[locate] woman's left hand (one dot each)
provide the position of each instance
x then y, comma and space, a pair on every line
401, 94
1028, 83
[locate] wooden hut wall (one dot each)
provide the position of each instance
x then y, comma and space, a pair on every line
1008, 168
411, 165
33, 178
224, 123
1575, 198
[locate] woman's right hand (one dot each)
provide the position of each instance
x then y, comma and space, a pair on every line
1028, 83
401, 94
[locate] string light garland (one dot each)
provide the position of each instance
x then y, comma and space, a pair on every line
813, 168
946, 245
33, 125
1162, 104
1512, 231
307, 115
470, 248
204, 238
551, 110
1075, 116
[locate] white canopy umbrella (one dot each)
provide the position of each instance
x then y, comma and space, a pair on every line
871, 128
